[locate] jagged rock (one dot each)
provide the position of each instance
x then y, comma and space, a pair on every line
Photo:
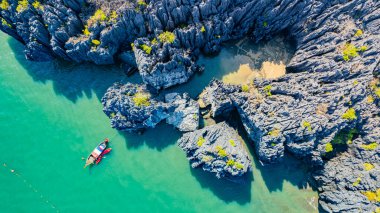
330, 74
183, 112
344, 180
163, 66
218, 149
134, 108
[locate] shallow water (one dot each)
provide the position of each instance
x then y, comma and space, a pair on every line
51, 117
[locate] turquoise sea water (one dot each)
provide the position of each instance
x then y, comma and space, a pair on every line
51, 117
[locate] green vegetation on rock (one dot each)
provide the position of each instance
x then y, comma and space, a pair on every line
147, 49
239, 166
5, 23
371, 146
329, 147
95, 42
22, 5
37, 5
221, 152
267, 90
166, 37
357, 182
4, 5
358, 33
230, 162
307, 125
201, 141
203, 29
232, 142
350, 114
141, 99
245, 88
368, 166
274, 132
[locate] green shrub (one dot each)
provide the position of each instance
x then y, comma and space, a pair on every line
267, 90
232, 142
203, 29
357, 182
273, 144
142, 3
377, 92
166, 37
329, 147
221, 152
265, 24
307, 125
99, 16
230, 162
274, 133
95, 42
363, 48
349, 51
358, 33
37, 5
344, 137
356, 82
5, 23
147, 49
141, 99
368, 166
371, 146
112, 115
22, 5
113, 17
350, 114
245, 88
86, 32
370, 99
207, 158
4, 5
372, 196
154, 41
201, 141
239, 166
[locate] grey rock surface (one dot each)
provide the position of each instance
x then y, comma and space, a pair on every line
183, 112
331, 85
217, 149
133, 107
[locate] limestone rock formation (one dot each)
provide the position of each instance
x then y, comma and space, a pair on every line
218, 149
133, 107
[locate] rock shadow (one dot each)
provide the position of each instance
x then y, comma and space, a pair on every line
72, 80
229, 191
160, 137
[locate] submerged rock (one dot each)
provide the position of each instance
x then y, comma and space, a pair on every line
218, 149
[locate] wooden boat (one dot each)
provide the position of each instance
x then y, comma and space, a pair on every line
108, 150
96, 153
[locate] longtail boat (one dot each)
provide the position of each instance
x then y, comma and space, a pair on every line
96, 153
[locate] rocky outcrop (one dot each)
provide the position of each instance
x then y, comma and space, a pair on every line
350, 182
331, 85
134, 108
217, 149
100, 31
183, 112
